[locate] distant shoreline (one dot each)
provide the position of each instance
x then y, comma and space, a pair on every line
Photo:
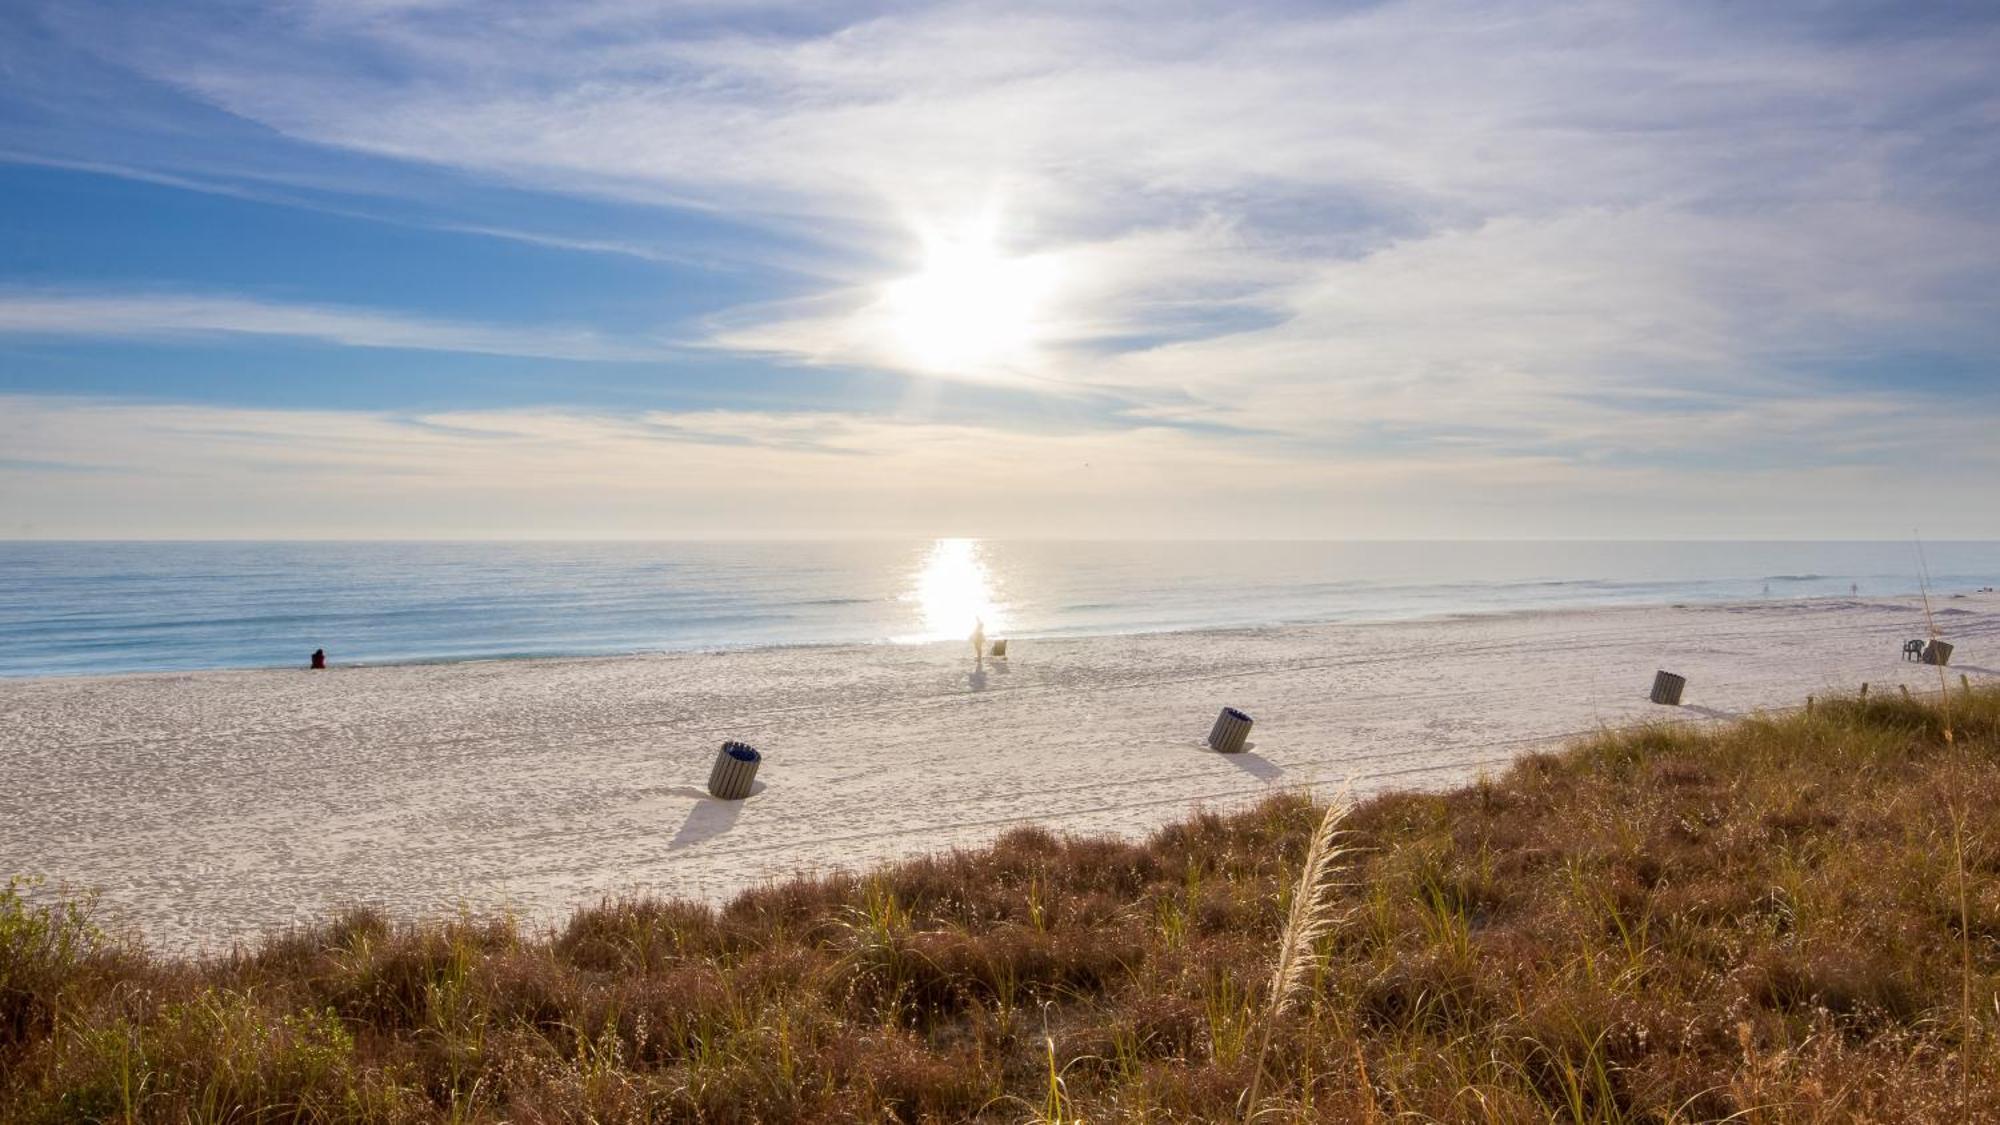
534, 656
106, 609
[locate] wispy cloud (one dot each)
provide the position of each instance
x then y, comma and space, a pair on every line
257, 189
159, 315
79, 467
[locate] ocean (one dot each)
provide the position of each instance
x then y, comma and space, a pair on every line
94, 608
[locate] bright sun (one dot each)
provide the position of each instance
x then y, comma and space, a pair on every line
971, 310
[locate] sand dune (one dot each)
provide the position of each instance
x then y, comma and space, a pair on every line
207, 808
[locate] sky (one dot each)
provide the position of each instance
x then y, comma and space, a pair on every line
605, 269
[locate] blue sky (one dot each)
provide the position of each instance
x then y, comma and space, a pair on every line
405, 268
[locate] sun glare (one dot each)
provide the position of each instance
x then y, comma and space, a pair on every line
953, 592
971, 310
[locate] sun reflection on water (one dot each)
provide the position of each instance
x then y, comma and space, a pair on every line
953, 591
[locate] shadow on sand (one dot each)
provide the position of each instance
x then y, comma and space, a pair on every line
709, 817
1247, 761
1709, 712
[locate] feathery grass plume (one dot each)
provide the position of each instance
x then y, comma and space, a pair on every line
1968, 1023
1311, 918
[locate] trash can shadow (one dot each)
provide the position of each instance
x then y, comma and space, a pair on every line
710, 817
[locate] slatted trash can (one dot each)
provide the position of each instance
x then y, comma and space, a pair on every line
1938, 653
1667, 688
1231, 728
735, 768
999, 648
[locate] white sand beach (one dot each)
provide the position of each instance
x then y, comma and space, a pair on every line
208, 808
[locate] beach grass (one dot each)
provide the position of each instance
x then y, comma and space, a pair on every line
1792, 918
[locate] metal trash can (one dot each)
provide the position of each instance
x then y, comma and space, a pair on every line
1938, 653
1231, 728
999, 648
735, 768
1667, 688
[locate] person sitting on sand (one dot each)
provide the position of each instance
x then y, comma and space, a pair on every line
979, 641
319, 658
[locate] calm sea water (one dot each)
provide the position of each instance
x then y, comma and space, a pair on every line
68, 608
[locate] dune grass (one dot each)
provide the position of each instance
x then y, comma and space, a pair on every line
1794, 919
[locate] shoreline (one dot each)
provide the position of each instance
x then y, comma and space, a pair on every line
212, 807
1911, 600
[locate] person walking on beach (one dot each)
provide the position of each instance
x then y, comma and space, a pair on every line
979, 641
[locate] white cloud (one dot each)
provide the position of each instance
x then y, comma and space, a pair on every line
1541, 326
1255, 147
1458, 110
83, 468
1599, 247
